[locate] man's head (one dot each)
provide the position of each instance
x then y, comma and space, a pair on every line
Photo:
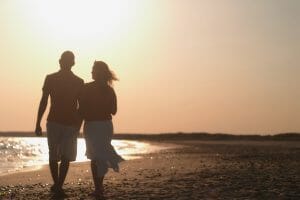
67, 60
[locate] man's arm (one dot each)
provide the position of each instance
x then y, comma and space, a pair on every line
41, 111
79, 106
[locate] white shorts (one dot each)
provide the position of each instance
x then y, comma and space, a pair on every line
62, 141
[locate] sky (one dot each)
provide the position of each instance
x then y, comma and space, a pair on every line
219, 66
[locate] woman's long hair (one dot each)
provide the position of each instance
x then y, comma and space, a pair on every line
102, 73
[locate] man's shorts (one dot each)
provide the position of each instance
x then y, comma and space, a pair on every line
62, 141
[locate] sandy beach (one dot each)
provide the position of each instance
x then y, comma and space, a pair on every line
195, 170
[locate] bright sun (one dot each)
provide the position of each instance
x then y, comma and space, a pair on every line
82, 21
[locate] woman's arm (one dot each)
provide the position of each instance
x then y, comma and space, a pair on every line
114, 102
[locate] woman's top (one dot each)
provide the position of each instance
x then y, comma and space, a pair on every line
97, 102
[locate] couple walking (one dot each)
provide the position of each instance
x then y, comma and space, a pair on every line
72, 101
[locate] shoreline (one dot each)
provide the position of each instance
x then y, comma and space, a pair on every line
174, 144
198, 170
152, 147
292, 136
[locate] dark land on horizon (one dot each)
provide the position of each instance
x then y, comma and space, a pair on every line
179, 136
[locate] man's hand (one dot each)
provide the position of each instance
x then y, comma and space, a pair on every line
42, 108
38, 130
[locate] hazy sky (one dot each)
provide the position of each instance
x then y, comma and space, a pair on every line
199, 65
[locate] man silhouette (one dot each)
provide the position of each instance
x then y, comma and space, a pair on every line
63, 122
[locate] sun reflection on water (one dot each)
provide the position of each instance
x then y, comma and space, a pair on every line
19, 153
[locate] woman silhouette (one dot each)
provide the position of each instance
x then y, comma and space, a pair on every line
97, 104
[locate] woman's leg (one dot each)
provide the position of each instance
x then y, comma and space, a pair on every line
98, 178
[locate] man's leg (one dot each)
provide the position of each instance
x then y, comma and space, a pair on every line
54, 171
53, 138
68, 147
63, 170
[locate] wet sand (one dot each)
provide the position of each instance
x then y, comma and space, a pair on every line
196, 170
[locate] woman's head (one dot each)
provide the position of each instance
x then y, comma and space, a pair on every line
102, 73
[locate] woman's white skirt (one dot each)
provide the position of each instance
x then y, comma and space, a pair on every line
98, 136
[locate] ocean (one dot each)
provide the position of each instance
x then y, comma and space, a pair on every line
27, 153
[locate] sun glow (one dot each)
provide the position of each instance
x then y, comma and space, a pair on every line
82, 21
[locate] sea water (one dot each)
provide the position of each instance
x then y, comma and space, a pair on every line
24, 153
